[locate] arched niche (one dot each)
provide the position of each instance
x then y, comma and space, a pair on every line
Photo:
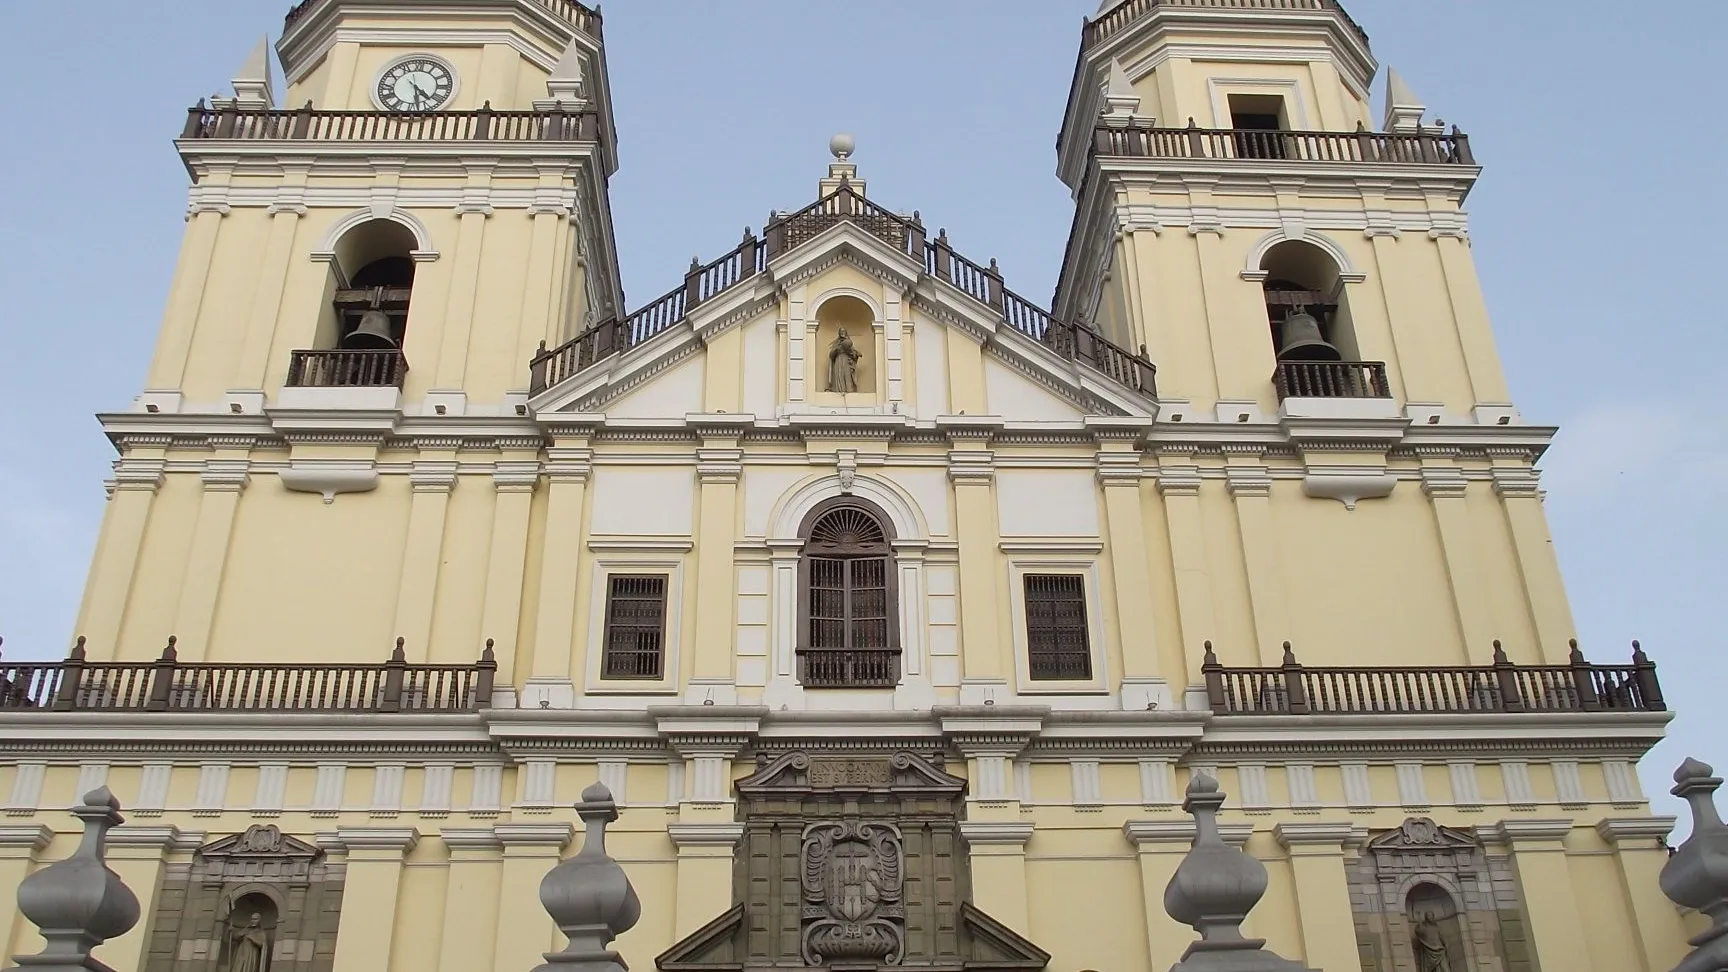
857, 318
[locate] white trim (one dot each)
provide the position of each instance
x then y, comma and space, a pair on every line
455, 80
424, 251
1219, 91
903, 511
1085, 565
1296, 231
650, 561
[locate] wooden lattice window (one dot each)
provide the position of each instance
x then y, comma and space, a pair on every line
1057, 644
849, 633
635, 627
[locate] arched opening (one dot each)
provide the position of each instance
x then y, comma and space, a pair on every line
1436, 930
250, 933
360, 335
845, 345
1312, 332
848, 604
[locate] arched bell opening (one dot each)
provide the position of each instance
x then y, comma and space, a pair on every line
374, 270
1312, 334
365, 318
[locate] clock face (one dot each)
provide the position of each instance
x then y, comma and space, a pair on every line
416, 84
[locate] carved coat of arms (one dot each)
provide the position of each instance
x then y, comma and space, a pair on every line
853, 880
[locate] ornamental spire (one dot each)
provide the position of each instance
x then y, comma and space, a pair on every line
1696, 876
589, 896
79, 903
1213, 890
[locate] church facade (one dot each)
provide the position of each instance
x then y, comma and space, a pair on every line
896, 609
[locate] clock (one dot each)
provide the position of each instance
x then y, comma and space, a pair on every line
418, 82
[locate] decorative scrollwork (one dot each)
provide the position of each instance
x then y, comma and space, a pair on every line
853, 881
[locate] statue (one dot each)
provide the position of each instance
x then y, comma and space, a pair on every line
249, 946
843, 358
1431, 952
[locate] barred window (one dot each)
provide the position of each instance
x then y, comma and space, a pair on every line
849, 637
1058, 647
635, 627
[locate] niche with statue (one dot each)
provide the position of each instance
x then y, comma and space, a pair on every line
258, 901
1429, 898
842, 363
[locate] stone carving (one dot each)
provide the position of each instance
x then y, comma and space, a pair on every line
828, 773
248, 943
853, 873
1696, 876
1420, 831
1432, 955
261, 839
589, 896
843, 358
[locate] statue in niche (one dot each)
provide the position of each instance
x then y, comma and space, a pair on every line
248, 945
1432, 955
843, 358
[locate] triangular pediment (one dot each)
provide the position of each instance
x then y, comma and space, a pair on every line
1422, 835
260, 842
711, 948
995, 945
900, 773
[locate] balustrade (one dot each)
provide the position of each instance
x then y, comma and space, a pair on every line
849, 667
1294, 689
347, 369
306, 124
1332, 379
1361, 146
168, 684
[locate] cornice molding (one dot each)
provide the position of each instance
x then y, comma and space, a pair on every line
35, 838
989, 833
550, 835
1144, 833
1341, 835
351, 839
704, 834
1655, 828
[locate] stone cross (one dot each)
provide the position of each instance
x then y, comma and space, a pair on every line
79, 903
589, 896
1697, 875
1213, 890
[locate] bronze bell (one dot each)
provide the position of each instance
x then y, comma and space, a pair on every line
1303, 340
373, 334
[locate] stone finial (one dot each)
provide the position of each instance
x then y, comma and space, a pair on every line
589, 896
1696, 876
1214, 889
1404, 110
565, 85
252, 85
1120, 98
842, 145
78, 903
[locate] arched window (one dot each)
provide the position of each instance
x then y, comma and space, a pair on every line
1311, 330
849, 621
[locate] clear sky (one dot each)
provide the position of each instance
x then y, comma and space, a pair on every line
1597, 229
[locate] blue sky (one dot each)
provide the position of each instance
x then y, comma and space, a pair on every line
1597, 230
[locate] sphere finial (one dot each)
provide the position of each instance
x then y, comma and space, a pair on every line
842, 145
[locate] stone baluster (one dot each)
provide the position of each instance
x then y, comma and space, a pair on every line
78, 903
1213, 890
1697, 875
589, 896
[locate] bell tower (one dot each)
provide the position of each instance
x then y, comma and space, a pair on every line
424, 205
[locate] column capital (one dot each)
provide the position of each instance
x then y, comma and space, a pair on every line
35, 838
155, 840
1178, 480
470, 839
1120, 469
553, 835
377, 839
139, 474
1318, 834
1444, 482
1526, 833
989, 833
569, 464
516, 476
433, 475
1515, 481
709, 730
991, 730
1149, 834
1617, 829
719, 467
1248, 480
225, 475
705, 834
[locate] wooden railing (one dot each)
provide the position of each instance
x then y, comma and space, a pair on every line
1331, 379
849, 667
575, 14
1145, 141
1501, 687
307, 124
347, 369
787, 232
1114, 22
169, 684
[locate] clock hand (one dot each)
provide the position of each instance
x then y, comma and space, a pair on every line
421, 94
